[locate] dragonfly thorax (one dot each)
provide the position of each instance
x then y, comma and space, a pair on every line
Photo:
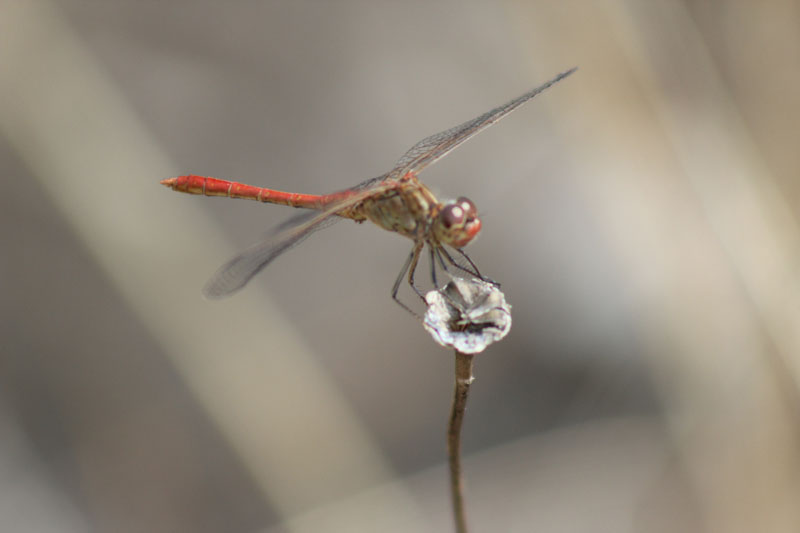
457, 223
413, 211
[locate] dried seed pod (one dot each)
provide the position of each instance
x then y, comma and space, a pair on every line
467, 315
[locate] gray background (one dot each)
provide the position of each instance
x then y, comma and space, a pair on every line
641, 216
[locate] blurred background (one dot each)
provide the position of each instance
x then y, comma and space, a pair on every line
641, 216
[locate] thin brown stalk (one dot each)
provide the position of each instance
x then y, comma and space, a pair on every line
463, 380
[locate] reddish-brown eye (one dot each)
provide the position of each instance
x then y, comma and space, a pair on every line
469, 208
452, 215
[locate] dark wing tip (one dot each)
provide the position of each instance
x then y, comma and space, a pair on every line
212, 292
233, 275
557, 79
219, 288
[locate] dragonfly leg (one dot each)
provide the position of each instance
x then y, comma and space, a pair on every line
415, 253
474, 272
413, 257
441, 260
433, 267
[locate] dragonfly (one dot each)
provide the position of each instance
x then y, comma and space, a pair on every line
395, 201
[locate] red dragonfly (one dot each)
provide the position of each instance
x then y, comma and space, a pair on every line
396, 201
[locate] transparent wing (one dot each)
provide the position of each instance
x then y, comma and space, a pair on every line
431, 149
235, 274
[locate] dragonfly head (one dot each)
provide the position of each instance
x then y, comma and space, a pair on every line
457, 223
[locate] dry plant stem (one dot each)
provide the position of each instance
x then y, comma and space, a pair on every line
463, 380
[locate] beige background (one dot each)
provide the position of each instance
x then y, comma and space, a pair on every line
641, 216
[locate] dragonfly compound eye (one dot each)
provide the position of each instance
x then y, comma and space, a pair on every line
452, 215
458, 223
470, 211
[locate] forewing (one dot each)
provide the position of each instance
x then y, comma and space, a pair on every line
235, 274
431, 149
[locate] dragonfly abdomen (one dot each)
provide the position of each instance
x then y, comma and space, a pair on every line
202, 185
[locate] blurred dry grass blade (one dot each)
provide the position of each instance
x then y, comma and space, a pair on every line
467, 315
